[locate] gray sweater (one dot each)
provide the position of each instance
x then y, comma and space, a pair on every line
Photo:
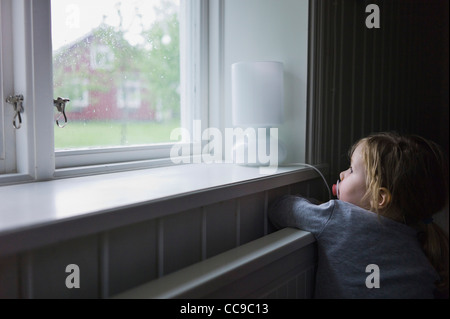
349, 239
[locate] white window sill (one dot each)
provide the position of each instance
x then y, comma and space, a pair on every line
94, 203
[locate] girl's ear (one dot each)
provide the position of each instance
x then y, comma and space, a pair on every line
384, 198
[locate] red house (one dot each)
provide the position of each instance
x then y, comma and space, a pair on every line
99, 75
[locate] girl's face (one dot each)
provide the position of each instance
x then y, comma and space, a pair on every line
352, 186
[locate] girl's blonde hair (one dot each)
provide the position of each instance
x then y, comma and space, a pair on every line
415, 173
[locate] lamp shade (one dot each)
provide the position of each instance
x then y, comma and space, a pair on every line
257, 91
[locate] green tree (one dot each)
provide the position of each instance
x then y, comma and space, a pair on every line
160, 64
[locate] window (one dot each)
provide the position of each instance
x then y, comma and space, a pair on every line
130, 52
102, 57
129, 95
79, 93
123, 66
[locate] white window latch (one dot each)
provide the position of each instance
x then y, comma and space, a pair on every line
16, 101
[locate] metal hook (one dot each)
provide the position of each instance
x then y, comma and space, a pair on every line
16, 101
59, 117
60, 104
20, 121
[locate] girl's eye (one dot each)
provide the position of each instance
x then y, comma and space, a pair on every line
351, 169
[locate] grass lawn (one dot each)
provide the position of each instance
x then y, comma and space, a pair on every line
98, 134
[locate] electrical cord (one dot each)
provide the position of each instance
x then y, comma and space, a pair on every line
316, 169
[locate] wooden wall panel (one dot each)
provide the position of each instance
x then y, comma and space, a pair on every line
119, 259
48, 269
182, 240
252, 217
133, 255
221, 231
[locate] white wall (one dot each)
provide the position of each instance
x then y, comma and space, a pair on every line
259, 30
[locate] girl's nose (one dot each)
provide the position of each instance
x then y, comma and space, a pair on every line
342, 175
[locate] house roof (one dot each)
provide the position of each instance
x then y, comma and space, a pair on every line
84, 38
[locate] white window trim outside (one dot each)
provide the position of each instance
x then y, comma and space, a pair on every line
83, 100
107, 62
36, 156
131, 90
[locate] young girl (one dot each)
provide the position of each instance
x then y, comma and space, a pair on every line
379, 240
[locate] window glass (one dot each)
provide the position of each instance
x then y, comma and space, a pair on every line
118, 62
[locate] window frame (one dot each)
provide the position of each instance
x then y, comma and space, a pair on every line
7, 138
35, 151
118, 158
30, 69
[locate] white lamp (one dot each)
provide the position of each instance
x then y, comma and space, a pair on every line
258, 103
